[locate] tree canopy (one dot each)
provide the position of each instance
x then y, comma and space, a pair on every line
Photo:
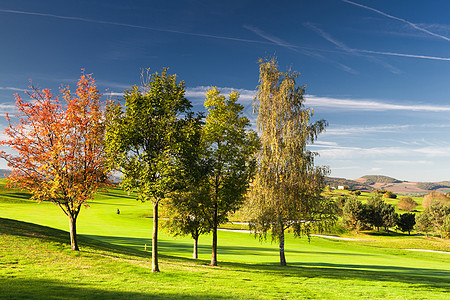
59, 145
146, 141
286, 192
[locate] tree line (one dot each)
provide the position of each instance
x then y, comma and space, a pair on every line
202, 168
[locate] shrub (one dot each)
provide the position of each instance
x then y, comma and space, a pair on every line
407, 203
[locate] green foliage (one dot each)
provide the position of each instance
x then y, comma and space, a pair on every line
423, 222
229, 146
406, 222
372, 179
389, 194
148, 141
352, 214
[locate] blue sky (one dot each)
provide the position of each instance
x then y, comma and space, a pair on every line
377, 71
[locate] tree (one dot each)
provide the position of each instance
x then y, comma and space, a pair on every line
406, 222
286, 192
230, 147
186, 210
407, 203
146, 141
423, 222
432, 197
59, 144
389, 194
438, 212
388, 215
352, 214
375, 217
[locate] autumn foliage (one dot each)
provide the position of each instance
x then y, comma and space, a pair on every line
58, 145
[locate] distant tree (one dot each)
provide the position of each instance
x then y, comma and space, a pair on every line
388, 215
406, 222
145, 141
352, 214
433, 197
423, 222
230, 146
389, 194
375, 217
407, 203
286, 192
438, 212
59, 144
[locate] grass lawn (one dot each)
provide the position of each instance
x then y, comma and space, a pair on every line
36, 261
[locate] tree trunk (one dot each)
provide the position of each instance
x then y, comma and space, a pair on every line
214, 241
155, 267
73, 232
282, 257
195, 254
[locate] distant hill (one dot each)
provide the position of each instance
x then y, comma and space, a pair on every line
352, 184
380, 182
373, 179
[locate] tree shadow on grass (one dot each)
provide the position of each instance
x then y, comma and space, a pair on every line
437, 279
18, 288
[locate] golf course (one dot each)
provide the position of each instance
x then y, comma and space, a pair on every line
37, 263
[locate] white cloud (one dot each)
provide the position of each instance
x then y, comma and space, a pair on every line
199, 94
8, 88
369, 105
413, 25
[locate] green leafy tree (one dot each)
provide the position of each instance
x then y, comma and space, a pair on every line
286, 192
438, 212
423, 222
388, 215
186, 211
375, 217
352, 214
145, 141
406, 222
230, 147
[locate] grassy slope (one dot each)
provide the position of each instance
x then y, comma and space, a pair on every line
36, 261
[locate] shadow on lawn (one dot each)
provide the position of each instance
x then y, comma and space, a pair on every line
18, 288
437, 279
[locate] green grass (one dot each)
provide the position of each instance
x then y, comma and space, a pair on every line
36, 261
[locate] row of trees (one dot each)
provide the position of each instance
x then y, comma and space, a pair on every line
378, 214
201, 168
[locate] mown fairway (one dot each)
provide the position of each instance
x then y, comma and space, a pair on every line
36, 262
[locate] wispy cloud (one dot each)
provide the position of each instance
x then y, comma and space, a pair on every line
271, 38
329, 38
413, 25
10, 11
369, 105
359, 130
403, 55
8, 88
349, 50
199, 93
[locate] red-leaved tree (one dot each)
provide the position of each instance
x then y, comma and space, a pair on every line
58, 145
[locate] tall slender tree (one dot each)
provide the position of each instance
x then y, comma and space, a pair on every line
230, 146
146, 141
59, 148
286, 192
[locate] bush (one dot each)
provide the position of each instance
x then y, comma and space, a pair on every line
407, 203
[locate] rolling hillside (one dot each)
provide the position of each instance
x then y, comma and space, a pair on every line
380, 182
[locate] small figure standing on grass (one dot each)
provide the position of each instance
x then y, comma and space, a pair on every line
118, 211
